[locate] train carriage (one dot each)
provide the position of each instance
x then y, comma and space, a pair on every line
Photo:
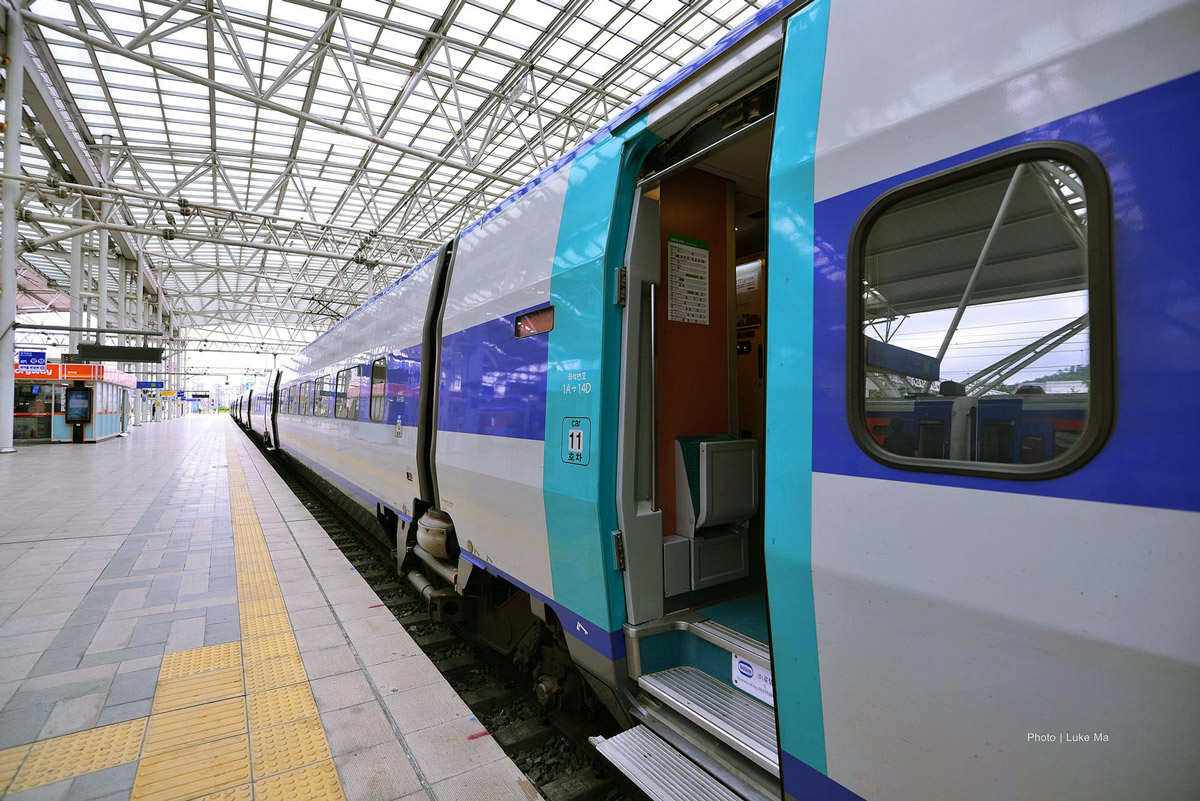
722, 406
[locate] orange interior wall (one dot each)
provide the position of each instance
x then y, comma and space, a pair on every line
693, 360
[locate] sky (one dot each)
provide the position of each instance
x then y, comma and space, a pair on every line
989, 332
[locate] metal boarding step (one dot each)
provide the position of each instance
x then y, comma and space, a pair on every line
744, 724
731, 640
659, 770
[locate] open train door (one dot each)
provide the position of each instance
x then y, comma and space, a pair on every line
274, 410
789, 411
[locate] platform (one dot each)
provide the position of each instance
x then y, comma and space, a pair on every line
175, 625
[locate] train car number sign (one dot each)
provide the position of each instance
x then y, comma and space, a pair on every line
577, 435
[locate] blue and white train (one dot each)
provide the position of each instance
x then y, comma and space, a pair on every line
628, 426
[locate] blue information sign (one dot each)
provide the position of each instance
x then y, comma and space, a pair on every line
902, 360
150, 385
31, 361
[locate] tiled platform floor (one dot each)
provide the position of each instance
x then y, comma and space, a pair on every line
174, 624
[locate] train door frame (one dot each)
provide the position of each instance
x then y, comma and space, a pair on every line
431, 361
275, 410
639, 515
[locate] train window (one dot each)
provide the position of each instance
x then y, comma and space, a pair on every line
321, 397
345, 400
931, 439
538, 321
291, 399
981, 317
302, 400
378, 388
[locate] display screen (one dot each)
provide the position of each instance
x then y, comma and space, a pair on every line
79, 405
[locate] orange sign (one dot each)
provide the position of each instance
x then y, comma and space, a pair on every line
81, 372
74, 372
49, 372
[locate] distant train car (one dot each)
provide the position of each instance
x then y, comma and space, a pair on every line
925, 423
1030, 428
779, 521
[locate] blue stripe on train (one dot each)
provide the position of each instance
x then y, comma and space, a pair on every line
805, 783
492, 382
1149, 460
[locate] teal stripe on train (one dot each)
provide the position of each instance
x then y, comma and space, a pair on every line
788, 479
579, 479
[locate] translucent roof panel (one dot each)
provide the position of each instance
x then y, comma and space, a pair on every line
304, 153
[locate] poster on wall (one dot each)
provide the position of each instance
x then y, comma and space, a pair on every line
687, 280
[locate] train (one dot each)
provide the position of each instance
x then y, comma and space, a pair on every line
1016, 428
717, 425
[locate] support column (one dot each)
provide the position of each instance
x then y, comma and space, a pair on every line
170, 378
87, 301
122, 302
164, 375
183, 360
13, 85
140, 316
76, 315
158, 368
102, 285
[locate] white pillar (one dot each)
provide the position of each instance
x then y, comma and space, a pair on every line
14, 82
140, 317
102, 283
170, 382
123, 302
76, 316
105, 209
183, 361
86, 304
164, 376
158, 368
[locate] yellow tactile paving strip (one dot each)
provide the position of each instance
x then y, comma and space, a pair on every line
10, 760
238, 721
58, 758
229, 722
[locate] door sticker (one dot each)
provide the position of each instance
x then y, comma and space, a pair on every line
576, 440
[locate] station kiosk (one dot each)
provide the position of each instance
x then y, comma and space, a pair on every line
71, 402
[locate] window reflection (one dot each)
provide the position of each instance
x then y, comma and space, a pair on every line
975, 330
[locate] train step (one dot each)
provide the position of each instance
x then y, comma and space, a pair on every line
659, 770
744, 724
733, 641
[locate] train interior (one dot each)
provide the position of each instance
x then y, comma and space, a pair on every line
709, 403
701, 228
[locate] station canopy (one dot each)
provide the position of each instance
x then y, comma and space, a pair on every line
278, 161
922, 254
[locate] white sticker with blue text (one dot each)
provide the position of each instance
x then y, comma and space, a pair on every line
576, 446
754, 679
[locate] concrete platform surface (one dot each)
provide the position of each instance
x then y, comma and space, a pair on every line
174, 624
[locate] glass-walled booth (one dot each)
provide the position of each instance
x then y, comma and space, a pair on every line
43, 412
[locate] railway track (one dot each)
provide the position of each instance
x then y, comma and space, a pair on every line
551, 748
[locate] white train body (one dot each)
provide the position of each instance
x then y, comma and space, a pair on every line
928, 626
